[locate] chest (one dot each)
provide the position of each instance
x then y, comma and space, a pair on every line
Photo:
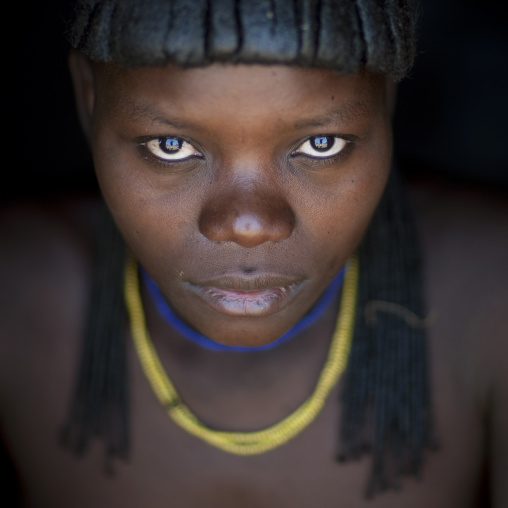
169, 467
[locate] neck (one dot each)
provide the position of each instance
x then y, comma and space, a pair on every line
227, 389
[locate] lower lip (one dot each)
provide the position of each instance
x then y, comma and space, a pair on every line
246, 303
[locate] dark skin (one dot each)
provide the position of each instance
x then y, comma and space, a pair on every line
255, 201
250, 206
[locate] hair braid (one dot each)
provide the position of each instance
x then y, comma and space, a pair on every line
100, 402
386, 397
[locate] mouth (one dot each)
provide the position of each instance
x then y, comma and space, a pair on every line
247, 296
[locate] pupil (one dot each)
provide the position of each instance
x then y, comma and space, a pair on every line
170, 145
322, 143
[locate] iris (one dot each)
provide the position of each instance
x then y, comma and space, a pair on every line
170, 145
322, 143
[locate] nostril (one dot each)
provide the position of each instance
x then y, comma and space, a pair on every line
247, 270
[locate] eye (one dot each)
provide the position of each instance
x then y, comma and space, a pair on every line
171, 149
321, 147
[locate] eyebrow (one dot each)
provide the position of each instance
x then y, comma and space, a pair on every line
138, 110
347, 112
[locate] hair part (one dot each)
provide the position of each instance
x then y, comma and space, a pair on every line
345, 35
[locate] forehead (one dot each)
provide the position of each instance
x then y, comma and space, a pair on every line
145, 92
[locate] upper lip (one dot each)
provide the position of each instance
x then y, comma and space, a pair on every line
248, 284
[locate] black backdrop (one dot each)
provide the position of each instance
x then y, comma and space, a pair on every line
452, 114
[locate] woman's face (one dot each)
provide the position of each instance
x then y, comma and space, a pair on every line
242, 190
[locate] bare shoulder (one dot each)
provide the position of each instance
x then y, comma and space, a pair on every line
464, 231
36, 234
44, 258
464, 235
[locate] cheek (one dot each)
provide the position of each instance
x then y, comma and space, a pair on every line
367, 179
343, 207
153, 214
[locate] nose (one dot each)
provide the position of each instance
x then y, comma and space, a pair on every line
248, 216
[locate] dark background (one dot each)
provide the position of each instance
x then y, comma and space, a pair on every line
451, 121
452, 114
451, 118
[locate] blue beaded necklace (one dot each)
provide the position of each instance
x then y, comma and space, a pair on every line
167, 313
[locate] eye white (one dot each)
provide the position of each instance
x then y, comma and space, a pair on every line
322, 147
171, 149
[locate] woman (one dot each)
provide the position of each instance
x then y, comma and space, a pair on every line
243, 150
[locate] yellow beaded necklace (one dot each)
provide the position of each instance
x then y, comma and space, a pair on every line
243, 443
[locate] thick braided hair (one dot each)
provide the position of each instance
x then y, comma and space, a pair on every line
386, 407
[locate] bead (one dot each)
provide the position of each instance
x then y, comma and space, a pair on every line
243, 443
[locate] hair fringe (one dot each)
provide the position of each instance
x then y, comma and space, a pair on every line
343, 35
